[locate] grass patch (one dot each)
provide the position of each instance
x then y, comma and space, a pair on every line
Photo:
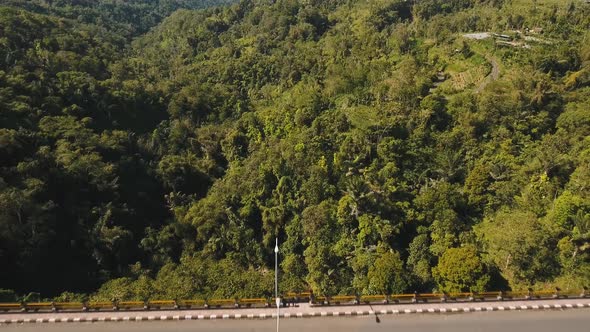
362, 116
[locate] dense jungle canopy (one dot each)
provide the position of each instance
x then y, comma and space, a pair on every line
155, 149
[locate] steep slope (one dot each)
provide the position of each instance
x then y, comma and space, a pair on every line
328, 136
128, 18
312, 121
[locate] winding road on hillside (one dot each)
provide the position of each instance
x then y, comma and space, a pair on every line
495, 73
493, 76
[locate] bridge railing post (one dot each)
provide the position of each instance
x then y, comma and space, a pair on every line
115, 303
557, 294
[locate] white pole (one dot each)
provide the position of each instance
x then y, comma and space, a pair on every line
277, 299
278, 313
276, 269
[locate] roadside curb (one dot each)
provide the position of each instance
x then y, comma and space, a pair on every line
296, 315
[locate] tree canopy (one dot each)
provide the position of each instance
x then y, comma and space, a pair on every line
148, 148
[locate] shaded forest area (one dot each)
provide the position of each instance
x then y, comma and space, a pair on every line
155, 149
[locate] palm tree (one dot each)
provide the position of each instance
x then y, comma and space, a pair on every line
581, 232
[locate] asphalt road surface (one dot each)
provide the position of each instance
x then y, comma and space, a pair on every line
524, 321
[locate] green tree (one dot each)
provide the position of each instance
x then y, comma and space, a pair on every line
387, 275
520, 246
461, 270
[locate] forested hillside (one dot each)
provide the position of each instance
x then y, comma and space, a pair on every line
128, 18
387, 146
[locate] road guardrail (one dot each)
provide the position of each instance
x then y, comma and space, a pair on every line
291, 298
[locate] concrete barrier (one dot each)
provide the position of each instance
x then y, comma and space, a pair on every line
464, 308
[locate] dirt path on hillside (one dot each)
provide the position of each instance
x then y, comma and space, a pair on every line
493, 76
